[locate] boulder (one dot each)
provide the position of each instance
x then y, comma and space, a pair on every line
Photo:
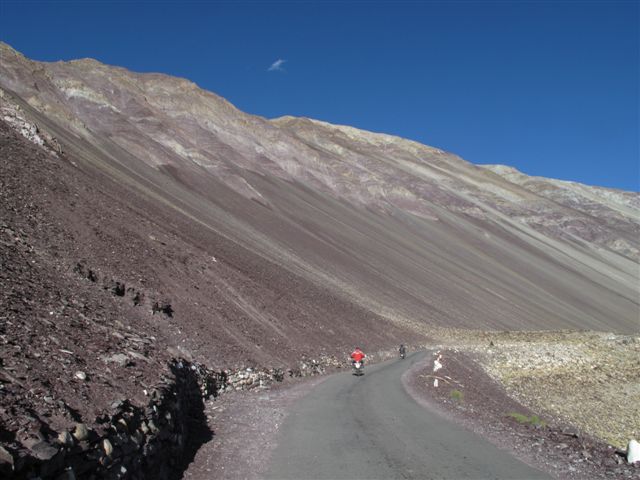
120, 359
108, 448
81, 432
65, 438
43, 451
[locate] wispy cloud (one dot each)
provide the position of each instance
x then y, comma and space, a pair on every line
277, 66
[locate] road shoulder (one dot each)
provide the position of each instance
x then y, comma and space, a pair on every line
245, 426
467, 395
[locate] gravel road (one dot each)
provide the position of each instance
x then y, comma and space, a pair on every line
370, 427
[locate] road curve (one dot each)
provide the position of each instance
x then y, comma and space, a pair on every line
369, 427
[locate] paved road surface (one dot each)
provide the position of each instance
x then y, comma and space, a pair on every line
370, 427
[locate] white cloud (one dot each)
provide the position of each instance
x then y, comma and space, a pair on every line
277, 66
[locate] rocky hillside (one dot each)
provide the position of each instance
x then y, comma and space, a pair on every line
143, 219
566, 402
412, 234
586, 379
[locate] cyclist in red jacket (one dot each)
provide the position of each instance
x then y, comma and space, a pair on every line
358, 355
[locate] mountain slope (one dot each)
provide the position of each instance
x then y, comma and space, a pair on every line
369, 234
145, 222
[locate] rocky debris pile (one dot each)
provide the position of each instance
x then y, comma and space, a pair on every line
57, 333
251, 377
587, 379
590, 380
48, 381
128, 441
483, 405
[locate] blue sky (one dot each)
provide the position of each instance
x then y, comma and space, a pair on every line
549, 87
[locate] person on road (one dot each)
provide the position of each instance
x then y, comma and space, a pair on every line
358, 355
402, 350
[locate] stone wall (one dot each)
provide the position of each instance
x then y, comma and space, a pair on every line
130, 441
154, 442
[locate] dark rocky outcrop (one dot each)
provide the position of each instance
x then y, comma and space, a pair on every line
130, 442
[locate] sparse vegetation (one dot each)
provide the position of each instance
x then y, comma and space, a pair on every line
577, 378
456, 395
521, 418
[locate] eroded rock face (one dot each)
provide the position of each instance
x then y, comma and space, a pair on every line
169, 121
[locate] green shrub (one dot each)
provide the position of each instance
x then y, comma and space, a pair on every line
520, 418
535, 420
456, 395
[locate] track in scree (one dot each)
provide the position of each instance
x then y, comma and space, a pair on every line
352, 427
